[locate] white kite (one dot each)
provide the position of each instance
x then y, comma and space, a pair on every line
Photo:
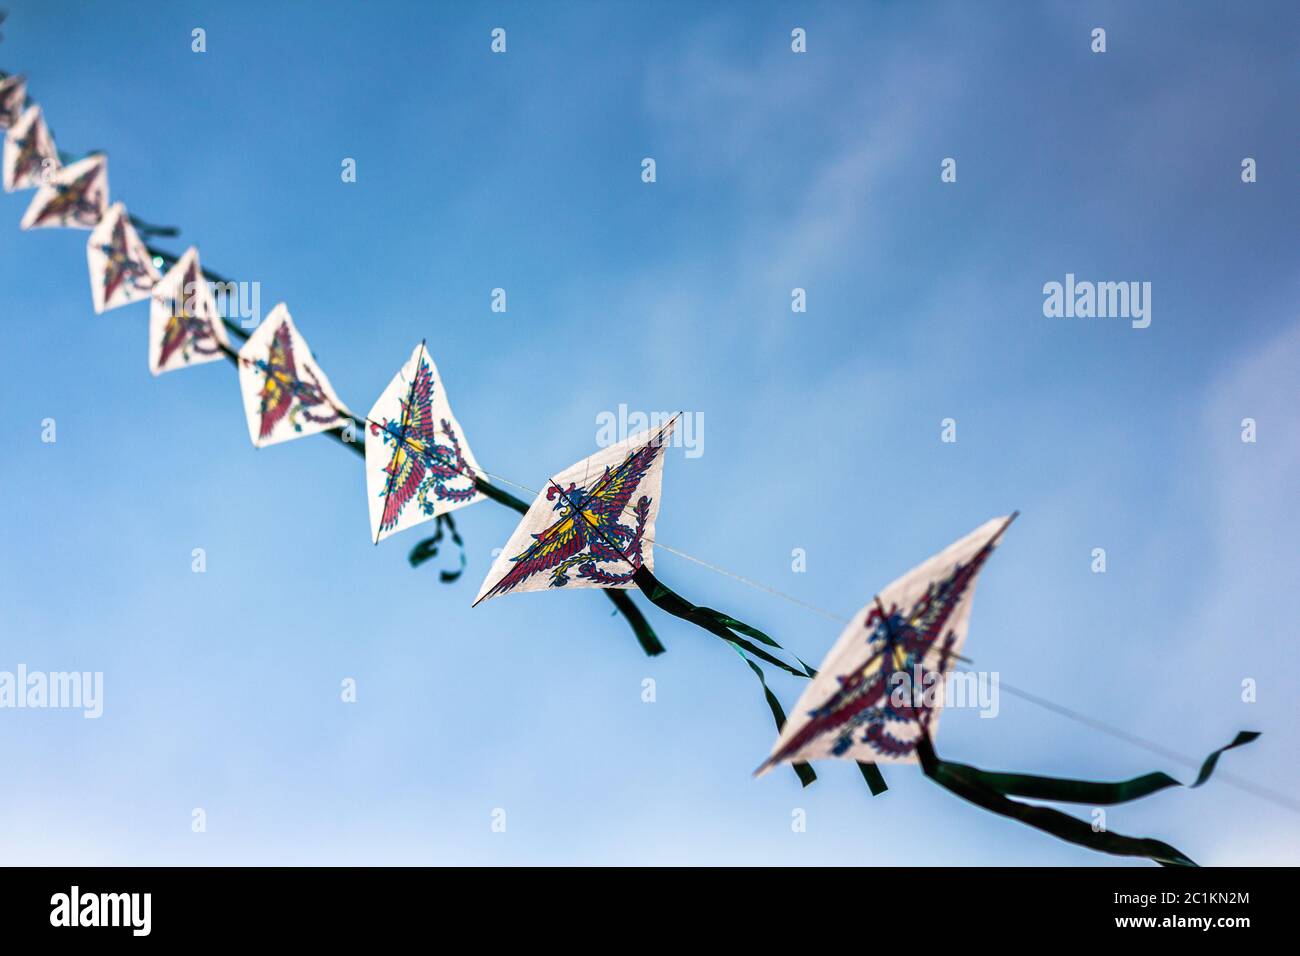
13, 94
880, 687
418, 465
593, 525
286, 395
75, 196
30, 157
184, 326
121, 268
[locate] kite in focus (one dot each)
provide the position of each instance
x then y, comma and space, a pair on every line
577, 532
286, 395
417, 465
13, 94
121, 268
30, 157
184, 326
594, 527
878, 695
74, 196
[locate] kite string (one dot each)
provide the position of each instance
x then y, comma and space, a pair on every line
1069, 714
1060, 710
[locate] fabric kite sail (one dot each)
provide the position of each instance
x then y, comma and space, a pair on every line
184, 325
75, 197
13, 94
418, 465
849, 708
30, 157
878, 695
121, 268
593, 526
286, 395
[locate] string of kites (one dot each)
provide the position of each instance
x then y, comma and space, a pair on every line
592, 527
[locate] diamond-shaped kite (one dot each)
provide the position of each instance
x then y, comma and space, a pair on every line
418, 464
30, 157
75, 196
121, 268
184, 326
286, 395
13, 93
593, 525
908, 637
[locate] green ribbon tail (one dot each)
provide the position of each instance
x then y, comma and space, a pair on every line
428, 548
669, 601
729, 629
802, 770
874, 778
645, 634
1096, 793
989, 791
149, 231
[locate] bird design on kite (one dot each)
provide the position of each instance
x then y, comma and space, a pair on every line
284, 392
121, 267
589, 531
31, 156
184, 332
901, 644
76, 201
420, 466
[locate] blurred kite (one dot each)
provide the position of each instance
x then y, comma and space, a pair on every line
418, 466
75, 196
878, 696
13, 94
184, 326
286, 395
121, 268
30, 157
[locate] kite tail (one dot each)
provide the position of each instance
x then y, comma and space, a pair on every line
991, 790
645, 634
731, 631
428, 548
149, 231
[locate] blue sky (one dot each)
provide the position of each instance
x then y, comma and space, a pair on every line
775, 171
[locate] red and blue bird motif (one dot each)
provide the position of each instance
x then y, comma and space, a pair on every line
185, 332
915, 642
285, 392
589, 531
421, 468
121, 265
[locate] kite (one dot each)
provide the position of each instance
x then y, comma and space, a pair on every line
878, 694
184, 326
121, 268
593, 527
286, 395
576, 533
13, 93
30, 157
75, 196
418, 466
